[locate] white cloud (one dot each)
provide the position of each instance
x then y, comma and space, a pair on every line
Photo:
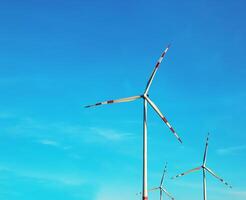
31, 128
49, 142
53, 178
231, 150
239, 193
110, 134
115, 192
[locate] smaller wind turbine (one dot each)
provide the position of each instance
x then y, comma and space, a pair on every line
204, 169
161, 188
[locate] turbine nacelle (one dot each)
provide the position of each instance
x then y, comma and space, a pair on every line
145, 96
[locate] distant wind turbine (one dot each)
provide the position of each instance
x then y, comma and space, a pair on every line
161, 188
146, 100
204, 169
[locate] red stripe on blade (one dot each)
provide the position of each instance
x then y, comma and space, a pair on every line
163, 55
157, 65
164, 119
172, 129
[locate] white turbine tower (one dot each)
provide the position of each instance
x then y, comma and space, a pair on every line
146, 100
204, 169
161, 188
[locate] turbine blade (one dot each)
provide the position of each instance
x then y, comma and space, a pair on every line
216, 176
187, 172
206, 150
115, 101
155, 69
162, 178
168, 194
153, 189
162, 117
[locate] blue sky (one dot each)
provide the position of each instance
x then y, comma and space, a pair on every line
57, 56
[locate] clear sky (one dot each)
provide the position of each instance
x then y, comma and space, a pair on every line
57, 56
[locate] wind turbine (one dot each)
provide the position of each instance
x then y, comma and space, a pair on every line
204, 169
146, 100
161, 188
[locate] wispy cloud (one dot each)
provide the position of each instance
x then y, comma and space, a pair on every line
49, 133
239, 193
110, 134
58, 179
49, 143
58, 145
112, 191
50, 178
231, 150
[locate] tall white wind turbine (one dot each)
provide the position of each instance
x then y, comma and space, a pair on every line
204, 169
146, 100
161, 188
